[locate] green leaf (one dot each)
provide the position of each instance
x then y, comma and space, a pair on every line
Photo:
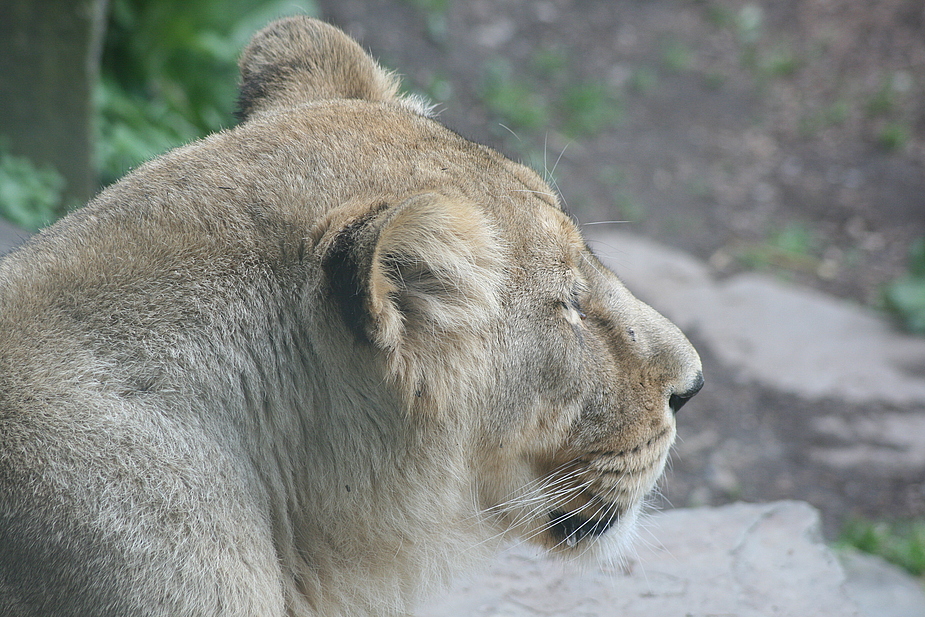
29, 196
905, 298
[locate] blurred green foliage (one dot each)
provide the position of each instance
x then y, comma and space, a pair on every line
905, 296
29, 196
792, 247
435, 12
902, 544
527, 102
168, 76
169, 73
589, 108
514, 101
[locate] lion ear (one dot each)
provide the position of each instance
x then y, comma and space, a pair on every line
296, 60
419, 279
435, 271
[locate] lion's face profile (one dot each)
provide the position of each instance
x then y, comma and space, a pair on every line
312, 364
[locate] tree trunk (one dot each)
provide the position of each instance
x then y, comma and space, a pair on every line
49, 63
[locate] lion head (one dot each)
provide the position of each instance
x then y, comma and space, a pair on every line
488, 309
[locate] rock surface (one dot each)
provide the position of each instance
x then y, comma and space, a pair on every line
789, 338
881, 589
743, 560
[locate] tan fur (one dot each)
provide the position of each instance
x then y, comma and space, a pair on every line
315, 364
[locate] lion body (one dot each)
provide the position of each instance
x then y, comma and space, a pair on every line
313, 365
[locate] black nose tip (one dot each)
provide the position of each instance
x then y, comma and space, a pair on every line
676, 401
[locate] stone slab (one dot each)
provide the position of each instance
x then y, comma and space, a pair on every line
743, 560
881, 589
790, 338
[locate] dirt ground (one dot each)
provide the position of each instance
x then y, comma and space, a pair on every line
786, 136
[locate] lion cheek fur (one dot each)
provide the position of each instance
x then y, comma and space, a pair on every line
315, 364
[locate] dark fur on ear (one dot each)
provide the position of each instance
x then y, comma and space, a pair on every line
346, 267
298, 60
419, 279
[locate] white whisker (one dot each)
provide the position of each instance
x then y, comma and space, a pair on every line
556, 164
509, 130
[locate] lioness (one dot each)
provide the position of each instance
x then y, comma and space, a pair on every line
314, 364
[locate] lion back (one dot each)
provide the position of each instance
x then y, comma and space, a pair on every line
121, 493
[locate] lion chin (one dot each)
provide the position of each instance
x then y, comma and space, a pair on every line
317, 363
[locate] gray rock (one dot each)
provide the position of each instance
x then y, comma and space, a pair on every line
744, 560
786, 337
881, 589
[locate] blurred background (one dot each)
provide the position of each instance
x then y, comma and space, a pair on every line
780, 136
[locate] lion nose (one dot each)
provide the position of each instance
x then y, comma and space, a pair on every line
676, 400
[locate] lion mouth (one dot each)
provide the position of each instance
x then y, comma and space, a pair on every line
571, 527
